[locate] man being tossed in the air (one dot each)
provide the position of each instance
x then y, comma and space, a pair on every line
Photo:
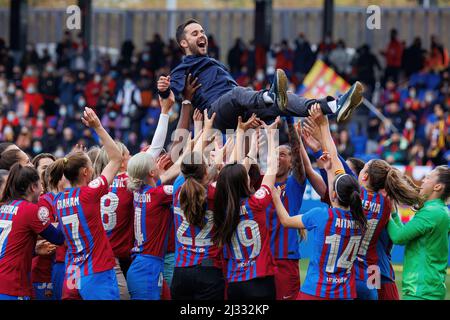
218, 91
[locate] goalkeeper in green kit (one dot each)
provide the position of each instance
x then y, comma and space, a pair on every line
426, 240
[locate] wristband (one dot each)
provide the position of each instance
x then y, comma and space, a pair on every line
164, 94
186, 101
339, 171
251, 158
318, 154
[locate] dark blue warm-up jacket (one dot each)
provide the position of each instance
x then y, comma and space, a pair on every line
213, 75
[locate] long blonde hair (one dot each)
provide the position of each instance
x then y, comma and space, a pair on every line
138, 168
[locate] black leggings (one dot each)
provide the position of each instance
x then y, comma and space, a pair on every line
197, 283
255, 289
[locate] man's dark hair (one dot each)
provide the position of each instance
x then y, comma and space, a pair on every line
181, 27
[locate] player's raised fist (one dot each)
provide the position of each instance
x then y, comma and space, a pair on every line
163, 83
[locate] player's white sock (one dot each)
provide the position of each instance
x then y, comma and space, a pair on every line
332, 105
267, 99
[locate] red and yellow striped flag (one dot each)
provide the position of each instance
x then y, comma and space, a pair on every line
323, 81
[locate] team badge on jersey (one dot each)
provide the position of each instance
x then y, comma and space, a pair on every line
261, 193
95, 183
168, 190
43, 215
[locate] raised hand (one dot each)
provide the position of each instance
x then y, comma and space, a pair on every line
310, 127
198, 116
208, 122
90, 119
274, 125
166, 104
163, 83
252, 123
190, 87
164, 162
317, 115
79, 148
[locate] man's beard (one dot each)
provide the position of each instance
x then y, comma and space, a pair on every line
196, 50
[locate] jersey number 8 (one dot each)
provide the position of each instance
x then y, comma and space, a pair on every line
108, 206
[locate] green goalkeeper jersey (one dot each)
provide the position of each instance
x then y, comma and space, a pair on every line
426, 251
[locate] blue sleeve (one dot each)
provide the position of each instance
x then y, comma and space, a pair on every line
177, 81
295, 192
346, 167
53, 235
314, 217
323, 173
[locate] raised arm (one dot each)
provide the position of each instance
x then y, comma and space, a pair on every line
160, 135
285, 219
91, 120
298, 168
272, 154
314, 178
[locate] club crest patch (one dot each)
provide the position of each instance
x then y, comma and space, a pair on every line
43, 215
95, 183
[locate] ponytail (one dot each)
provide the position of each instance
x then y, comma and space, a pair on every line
192, 202
231, 188
69, 167
348, 193
357, 210
401, 189
193, 193
55, 173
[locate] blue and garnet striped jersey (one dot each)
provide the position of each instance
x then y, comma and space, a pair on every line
192, 243
377, 208
248, 256
152, 219
78, 210
20, 223
284, 242
384, 248
335, 237
117, 211
41, 270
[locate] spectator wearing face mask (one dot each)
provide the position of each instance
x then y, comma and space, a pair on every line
29, 78
33, 101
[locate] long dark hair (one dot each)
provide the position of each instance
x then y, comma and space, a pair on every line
193, 192
232, 186
348, 195
397, 186
20, 178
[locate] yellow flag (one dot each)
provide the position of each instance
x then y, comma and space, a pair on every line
323, 81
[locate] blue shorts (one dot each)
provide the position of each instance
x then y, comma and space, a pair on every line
7, 297
364, 293
43, 290
58, 279
145, 277
99, 286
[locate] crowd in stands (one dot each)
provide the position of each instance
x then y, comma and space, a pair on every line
43, 94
